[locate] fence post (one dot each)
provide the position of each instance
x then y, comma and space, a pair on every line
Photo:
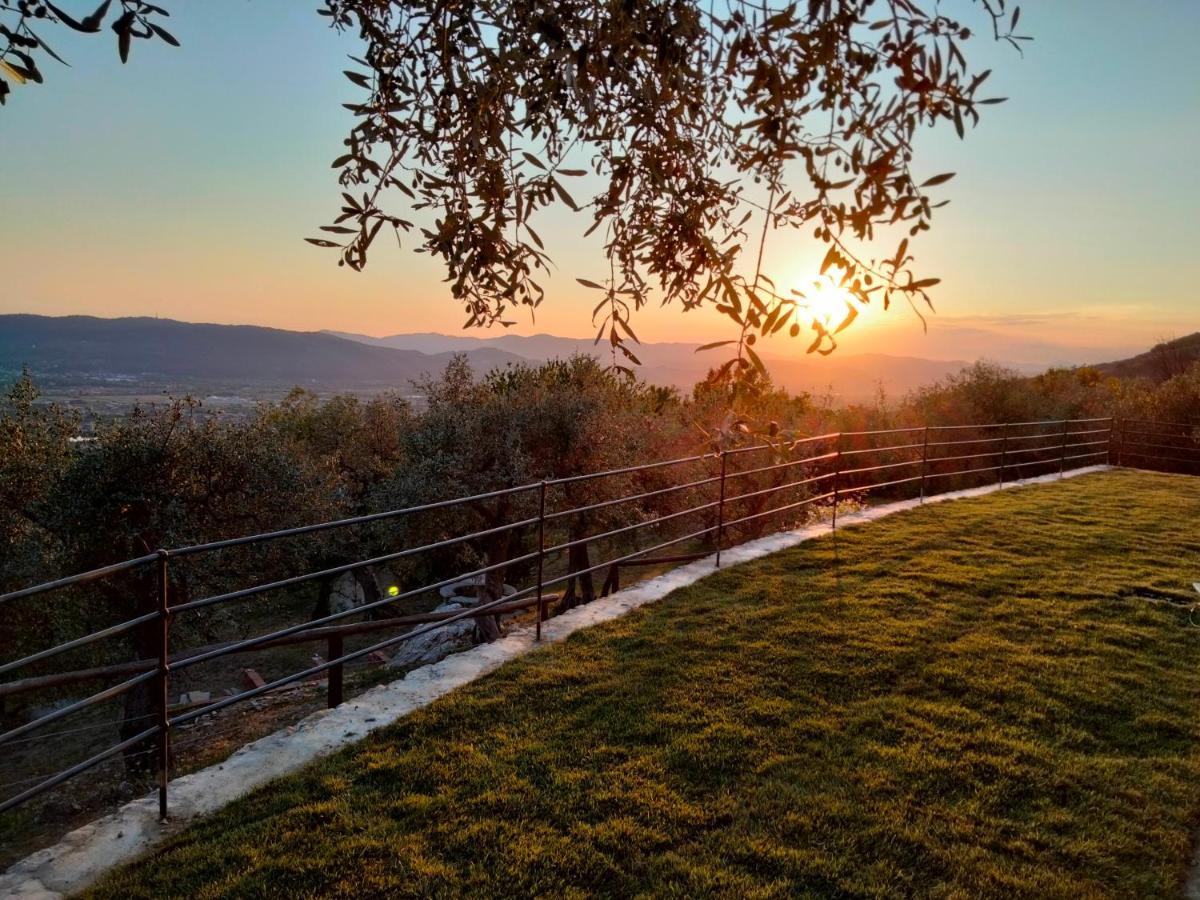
541, 610
721, 512
837, 477
336, 673
164, 719
1111, 423
924, 462
1003, 453
614, 579
1121, 445
1062, 455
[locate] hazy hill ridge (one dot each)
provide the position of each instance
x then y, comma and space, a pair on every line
850, 376
87, 348
1160, 362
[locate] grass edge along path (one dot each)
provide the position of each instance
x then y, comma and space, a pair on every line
960, 701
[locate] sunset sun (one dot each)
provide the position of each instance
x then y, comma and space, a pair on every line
826, 302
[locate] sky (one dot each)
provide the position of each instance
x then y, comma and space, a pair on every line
182, 184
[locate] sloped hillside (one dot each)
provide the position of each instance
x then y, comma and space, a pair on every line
1159, 363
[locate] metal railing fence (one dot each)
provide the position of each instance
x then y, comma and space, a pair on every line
710, 501
1173, 446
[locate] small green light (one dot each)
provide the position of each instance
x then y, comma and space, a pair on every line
394, 591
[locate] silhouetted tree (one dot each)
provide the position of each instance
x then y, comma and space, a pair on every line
684, 119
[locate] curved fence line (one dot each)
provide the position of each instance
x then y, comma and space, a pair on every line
706, 515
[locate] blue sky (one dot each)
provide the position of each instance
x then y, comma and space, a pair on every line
182, 184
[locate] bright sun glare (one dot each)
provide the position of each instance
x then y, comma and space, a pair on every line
826, 302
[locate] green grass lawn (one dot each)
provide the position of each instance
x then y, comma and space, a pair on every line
958, 701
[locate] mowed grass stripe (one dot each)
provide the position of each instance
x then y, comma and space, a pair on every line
957, 701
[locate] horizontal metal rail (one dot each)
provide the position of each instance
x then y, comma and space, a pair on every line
1174, 459
663, 560
986, 440
778, 466
1187, 439
470, 612
792, 444
590, 538
81, 578
860, 451
366, 607
193, 549
775, 489
1171, 434
309, 636
967, 471
1027, 450
883, 431
347, 567
937, 459
108, 693
621, 559
627, 470
778, 509
77, 769
1091, 455
1030, 462
882, 484
896, 465
1162, 446
990, 425
112, 631
1167, 424
1040, 422
604, 504
1055, 435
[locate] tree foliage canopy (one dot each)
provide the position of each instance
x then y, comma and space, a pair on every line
684, 130
692, 118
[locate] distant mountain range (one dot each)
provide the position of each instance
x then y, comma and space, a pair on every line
852, 377
89, 351
86, 349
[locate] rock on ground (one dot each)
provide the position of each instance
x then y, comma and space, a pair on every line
469, 588
439, 642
